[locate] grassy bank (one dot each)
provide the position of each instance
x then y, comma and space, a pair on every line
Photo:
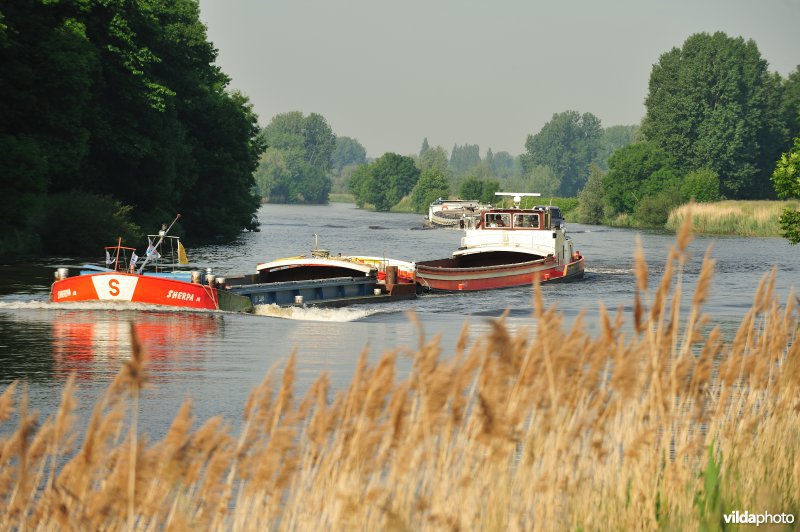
404, 205
653, 423
341, 198
743, 218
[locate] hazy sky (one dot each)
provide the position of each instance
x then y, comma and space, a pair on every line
463, 72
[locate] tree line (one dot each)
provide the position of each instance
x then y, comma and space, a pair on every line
718, 125
113, 118
717, 121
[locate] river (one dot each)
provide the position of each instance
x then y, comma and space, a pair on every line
216, 358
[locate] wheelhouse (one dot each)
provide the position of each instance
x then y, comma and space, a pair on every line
514, 220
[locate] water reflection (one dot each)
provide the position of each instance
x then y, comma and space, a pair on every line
22, 351
89, 346
94, 343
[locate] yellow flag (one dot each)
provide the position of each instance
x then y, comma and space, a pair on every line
182, 258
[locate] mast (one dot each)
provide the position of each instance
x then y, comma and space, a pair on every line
161, 235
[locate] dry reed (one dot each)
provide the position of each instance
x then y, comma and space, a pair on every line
743, 218
539, 429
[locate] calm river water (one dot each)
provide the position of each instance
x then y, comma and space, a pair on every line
217, 358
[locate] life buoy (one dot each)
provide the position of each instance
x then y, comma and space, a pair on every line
444, 207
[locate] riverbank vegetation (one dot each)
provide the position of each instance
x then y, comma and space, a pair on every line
341, 197
656, 422
115, 113
121, 108
718, 126
741, 218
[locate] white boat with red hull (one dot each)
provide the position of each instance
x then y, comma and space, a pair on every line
505, 247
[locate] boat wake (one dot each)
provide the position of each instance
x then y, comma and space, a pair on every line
610, 271
314, 313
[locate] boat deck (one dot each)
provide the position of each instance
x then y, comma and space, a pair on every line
482, 260
331, 292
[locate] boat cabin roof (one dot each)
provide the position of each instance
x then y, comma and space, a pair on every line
442, 201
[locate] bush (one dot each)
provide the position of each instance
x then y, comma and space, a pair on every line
702, 186
653, 211
432, 184
82, 223
568, 206
591, 199
404, 205
790, 225
478, 189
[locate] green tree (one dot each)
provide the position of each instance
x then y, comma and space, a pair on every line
432, 184
123, 100
479, 189
273, 176
713, 104
88, 222
786, 178
653, 210
471, 188
614, 137
424, 148
791, 102
284, 176
347, 151
385, 182
489, 161
568, 143
490, 186
634, 171
463, 158
170, 134
393, 176
348, 154
434, 159
319, 141
23, 168
141, 151
542, 179
223, 201
592, 200
701, 186
358, 184
45, 81
305, 147
504, 165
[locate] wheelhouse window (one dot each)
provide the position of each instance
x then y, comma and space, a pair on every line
501, 219
526, 221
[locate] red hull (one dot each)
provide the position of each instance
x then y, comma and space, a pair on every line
437, 276
115, 286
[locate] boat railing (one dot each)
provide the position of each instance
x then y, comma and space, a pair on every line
117, 257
